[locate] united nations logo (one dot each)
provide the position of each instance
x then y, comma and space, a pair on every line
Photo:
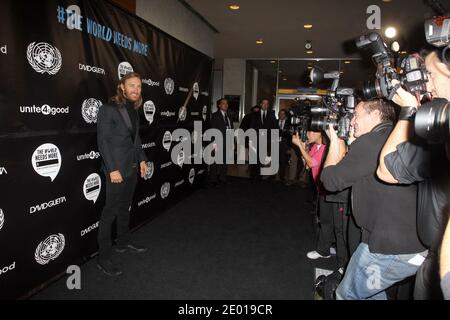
204, 112
165, 190
89, 110
50, 249
191, 176
44, 58
150, 170
169, 86
2, 219
195, 90
182, 113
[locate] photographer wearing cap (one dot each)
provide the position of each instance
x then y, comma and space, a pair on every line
407, 159
386, 213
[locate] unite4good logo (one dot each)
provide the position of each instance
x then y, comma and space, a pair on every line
46, 160
92, 187
44, 58
89, 110
50, 248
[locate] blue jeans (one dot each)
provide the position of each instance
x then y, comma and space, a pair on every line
368, 274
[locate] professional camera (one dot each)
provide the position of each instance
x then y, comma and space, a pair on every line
437, 29
432, 119
337, 106
412, 74
300, 119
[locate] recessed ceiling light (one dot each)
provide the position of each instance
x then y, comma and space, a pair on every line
309, 67
347, 62
234, 7
307, 26
273, 61
309, 52
260, 41
284, 79
403, 52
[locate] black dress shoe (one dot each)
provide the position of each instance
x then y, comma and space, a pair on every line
130, 248
108, 268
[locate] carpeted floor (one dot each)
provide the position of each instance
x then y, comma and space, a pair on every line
245, 240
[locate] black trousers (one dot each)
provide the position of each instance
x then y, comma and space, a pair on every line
340, 225
118, 202
326, 231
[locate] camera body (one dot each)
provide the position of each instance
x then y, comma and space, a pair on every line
336, 109
412, 74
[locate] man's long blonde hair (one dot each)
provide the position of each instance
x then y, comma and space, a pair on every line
120, 98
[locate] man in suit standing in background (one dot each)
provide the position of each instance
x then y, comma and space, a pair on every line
264, 119
121, 150
220, 121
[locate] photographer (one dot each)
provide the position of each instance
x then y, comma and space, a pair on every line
385, 213
407, 160
313, 156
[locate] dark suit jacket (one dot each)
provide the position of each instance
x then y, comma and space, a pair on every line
270, 123
115, 141
218, 122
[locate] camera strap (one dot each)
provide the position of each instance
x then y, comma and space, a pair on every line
406, 113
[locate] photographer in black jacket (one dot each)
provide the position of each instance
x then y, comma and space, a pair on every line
386, 213
406, 159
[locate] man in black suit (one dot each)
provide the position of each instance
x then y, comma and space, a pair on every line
121, 150
220, 121
264, 119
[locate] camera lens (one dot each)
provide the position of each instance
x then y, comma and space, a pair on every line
322, 123
432, 121
371, 89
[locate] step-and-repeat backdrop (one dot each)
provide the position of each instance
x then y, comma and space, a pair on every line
60, 61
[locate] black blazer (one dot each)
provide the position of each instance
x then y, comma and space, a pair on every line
115, 142
218, 122
270, 123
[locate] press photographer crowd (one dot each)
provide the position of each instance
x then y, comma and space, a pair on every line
379, 162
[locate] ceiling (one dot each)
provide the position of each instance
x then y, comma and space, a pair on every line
280, 24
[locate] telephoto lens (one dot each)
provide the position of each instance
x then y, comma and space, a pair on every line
432, 121
376, 89
322, 123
